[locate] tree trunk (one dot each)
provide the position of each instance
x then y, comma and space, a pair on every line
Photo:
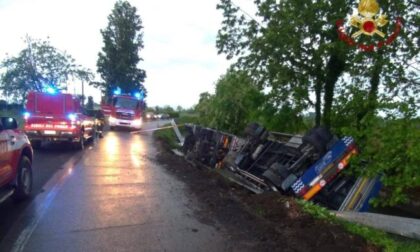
372, 98
335, 68
318, 91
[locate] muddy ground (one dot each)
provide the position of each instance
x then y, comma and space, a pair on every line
267, 222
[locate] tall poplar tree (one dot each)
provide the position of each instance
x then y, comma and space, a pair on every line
118, 63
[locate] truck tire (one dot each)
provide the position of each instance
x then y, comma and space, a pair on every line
319, 138
24, 179
323, 137
315, 142
324, 134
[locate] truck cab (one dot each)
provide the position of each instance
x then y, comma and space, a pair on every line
57, 117
124, 111
15, 161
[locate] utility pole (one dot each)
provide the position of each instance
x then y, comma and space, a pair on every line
83, 94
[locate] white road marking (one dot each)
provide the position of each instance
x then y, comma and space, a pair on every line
44, 203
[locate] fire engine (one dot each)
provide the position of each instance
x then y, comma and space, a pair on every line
124, 110
57, 117
15, 161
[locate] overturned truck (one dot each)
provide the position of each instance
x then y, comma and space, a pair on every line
309, 166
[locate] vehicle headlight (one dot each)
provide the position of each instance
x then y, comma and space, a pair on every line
112, 119
137, 122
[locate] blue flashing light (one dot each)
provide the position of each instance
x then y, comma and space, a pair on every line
51, 90
26, 115
117, 91
139, 95
72, 117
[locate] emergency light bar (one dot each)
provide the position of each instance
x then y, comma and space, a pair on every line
117, 91
26, 115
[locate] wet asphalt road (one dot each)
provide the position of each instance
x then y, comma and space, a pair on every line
47, 161
115, 197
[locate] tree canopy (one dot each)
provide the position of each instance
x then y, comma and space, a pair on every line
118, 63
293, 53
37, 66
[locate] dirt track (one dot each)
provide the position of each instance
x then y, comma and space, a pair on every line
267, 222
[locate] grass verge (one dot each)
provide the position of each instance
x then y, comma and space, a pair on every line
168, 135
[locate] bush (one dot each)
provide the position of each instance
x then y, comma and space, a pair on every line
390, 148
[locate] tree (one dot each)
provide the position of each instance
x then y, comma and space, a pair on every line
204, 108
179, 108
37, 66
286, 53
294, 53
379, 105
235, 103
90, 103
119, 59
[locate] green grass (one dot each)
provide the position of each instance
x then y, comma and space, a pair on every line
376, 237
168, 135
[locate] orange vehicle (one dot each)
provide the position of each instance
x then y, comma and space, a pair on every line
57, 117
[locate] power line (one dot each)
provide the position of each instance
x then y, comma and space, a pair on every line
246, 13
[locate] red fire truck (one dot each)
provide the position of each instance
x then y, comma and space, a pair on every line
124, 110
58, 117
15, 161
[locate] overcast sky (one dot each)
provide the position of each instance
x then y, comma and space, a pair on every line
180, 56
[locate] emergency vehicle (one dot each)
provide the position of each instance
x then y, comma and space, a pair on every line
124, 110
15, 161
57, 117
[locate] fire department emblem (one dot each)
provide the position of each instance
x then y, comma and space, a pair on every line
368, 20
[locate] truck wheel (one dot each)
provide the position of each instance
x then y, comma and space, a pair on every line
36, 144
24, 179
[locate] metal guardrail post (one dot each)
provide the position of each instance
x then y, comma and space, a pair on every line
407, 227
177, 132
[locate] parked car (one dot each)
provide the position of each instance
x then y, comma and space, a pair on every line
150, 116
15, 161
